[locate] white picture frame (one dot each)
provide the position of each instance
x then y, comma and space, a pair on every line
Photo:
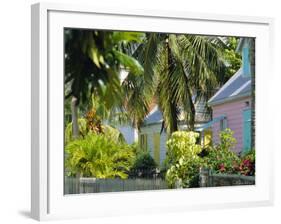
47, 198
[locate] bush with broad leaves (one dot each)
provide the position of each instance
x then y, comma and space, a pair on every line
183, 159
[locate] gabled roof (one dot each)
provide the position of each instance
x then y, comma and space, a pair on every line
236, 87
154, 116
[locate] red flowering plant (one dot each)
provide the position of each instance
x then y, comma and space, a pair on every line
247, 164
222, 167
220, 158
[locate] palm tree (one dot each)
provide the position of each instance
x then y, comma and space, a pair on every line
92, 64
139, 90
179, 70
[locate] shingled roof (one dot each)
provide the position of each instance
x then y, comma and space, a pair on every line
236, 87
156, 116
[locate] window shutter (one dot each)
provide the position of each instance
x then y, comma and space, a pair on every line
145, 142
156, 146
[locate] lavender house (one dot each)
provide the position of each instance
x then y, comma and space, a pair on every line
232, 105
232, 109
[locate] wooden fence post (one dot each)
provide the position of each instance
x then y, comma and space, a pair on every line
204, 176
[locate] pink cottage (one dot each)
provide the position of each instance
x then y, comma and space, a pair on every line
232, 109
231, 105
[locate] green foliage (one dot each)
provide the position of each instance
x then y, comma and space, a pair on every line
128, 37
247, 164
183, 159
232, 57
221, 158
93, 60
112, 133
144, 164
187, 65
109, 109
144, 161
82, 123
251, 155
98, 156
227, 141
129, 63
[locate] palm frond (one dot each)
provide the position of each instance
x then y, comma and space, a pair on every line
128, 37
129, 63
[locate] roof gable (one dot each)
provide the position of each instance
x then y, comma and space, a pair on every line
156, 116
237, 86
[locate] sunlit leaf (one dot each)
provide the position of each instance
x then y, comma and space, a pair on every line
129, 63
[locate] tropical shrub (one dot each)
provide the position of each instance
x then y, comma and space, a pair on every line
98, 156
221, 161
136, 147
111, 132
247, 164
183, 159
227, 141
144, 165
82, 123
221, 158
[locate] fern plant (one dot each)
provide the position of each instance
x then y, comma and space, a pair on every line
98, 156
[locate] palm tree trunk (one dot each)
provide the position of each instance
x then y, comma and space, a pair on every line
253, 104
191, 119
74, 114
173, 122
173, 106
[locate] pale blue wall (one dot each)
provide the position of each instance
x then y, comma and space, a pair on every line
129, 133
